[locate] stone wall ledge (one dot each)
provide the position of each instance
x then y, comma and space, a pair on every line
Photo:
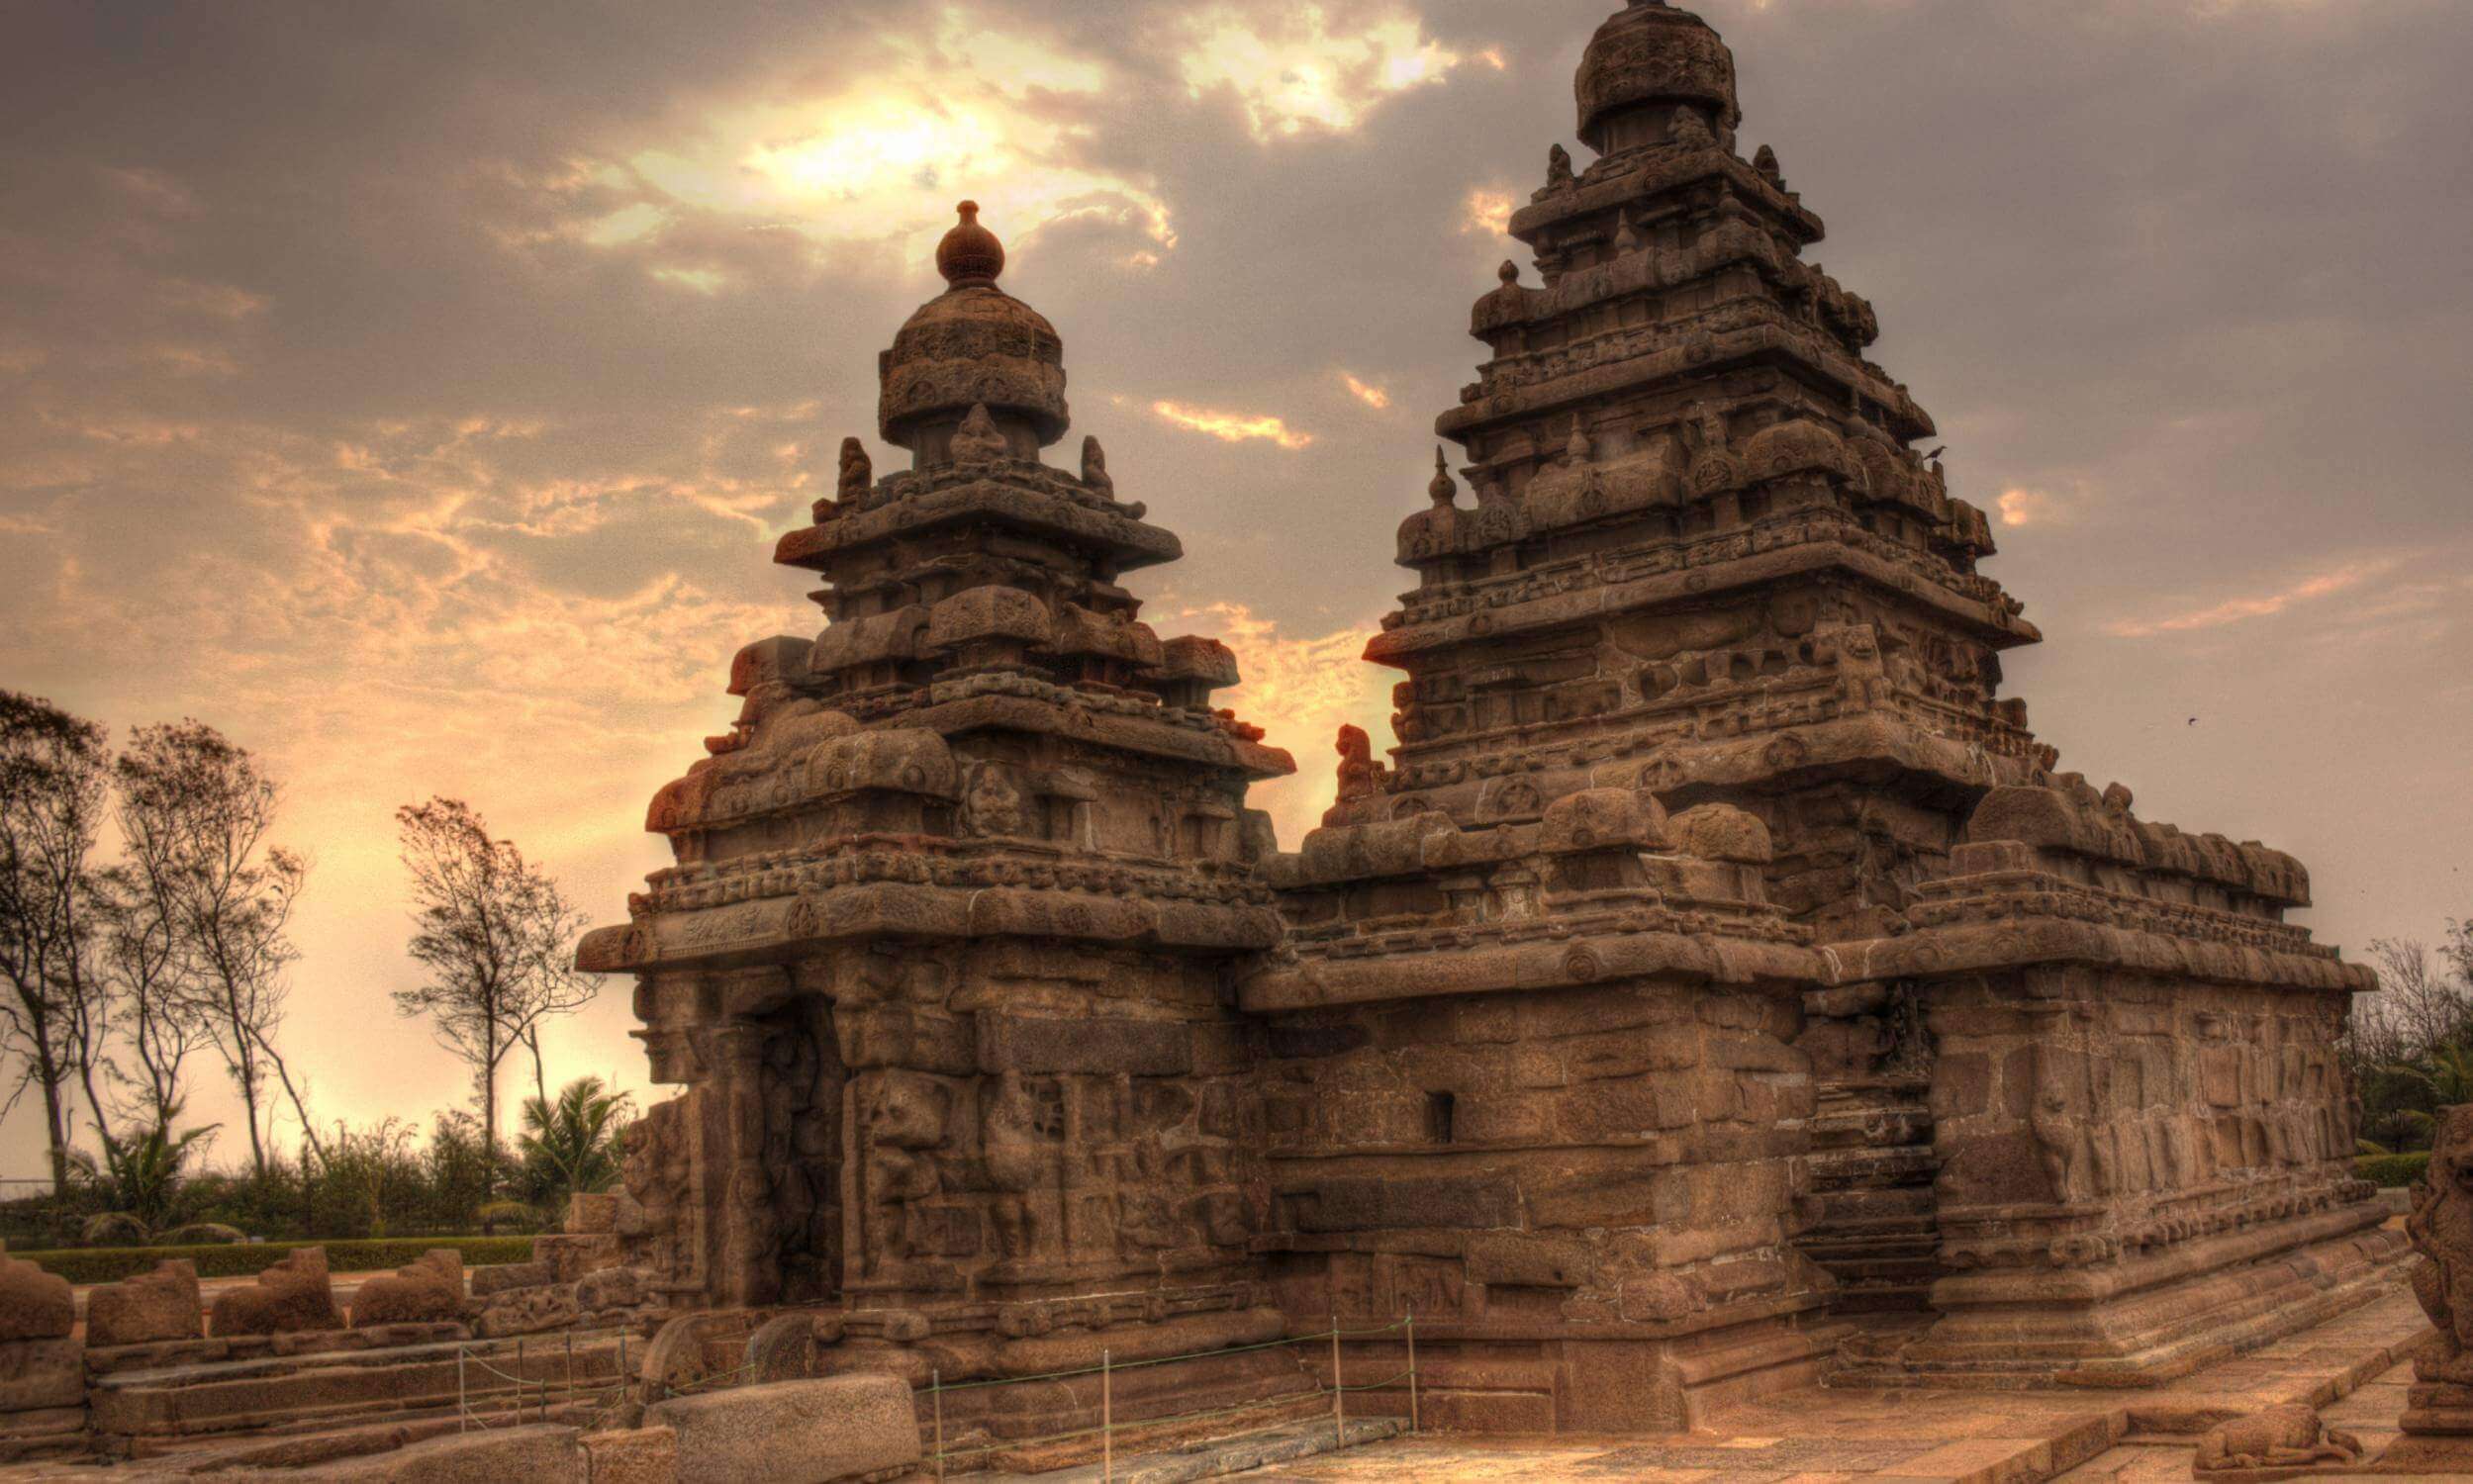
1550, 965
2026, 939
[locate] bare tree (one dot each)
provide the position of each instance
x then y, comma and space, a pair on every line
2424, 1002
159, 1009
53, 769
197, 809
498, 938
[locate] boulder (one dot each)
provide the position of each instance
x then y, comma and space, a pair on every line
147, 1308
430, 1291
34, 1304
792, 1431
290, 1297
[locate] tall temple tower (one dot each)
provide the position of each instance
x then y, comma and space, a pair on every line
946, 961
2059, 1076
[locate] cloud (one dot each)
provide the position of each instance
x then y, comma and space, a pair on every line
1233, 427
1371, 395
2022, 506
976, 109
2242, 610
1292, 73
1488, 212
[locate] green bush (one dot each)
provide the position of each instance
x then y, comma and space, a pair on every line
109, 1264
2389, 1170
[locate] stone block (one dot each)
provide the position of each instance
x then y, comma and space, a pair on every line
506, 1277
792, 1431
527, 1311
1136, 1047
35, 1375
149, 1309
533, 1455
642, 1455
591, 1215
34, 1304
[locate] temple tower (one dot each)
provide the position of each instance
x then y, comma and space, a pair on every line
2053, 1049
946, 963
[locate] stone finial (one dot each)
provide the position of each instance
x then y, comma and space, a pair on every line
1627, 238
1443, 490
970, 256
1094, 468
1509, 273
1580, 449
979, 441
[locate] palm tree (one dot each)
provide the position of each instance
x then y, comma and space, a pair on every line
572, 1145
2446, 1074
139, 1177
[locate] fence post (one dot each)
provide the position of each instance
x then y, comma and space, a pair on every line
1412, 1369
1107, 1419
1339, 1393
464, 1398
570, 1367
935, 1386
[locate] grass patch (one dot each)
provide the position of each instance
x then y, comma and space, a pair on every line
109, 1264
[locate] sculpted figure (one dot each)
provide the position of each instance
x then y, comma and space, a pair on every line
1018, 1163
2278, 1437
858, 473
1559, 168
978, 441
1094, 468
1360, 773
992, 805
2441, 1225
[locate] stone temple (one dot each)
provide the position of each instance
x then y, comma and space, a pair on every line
1719, 990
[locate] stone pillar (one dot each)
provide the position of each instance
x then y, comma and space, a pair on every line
744, 1273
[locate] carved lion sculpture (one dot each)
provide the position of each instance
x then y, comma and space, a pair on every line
2441, 1228
2278, 1437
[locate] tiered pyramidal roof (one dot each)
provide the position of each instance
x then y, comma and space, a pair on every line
1704, 555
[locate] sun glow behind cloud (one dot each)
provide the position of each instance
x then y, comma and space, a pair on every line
973, 110
1300, 691
1294, 73
1372, 395
1487, 213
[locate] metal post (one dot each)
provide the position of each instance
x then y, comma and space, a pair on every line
1412, 1369
518, 1411
1107, 1419
1339, 1393
464, 1398
570, 1367
935, 1386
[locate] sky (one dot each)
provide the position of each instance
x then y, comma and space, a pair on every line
415, 389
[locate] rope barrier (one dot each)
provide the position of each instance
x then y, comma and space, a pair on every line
1237, 1350
1108, 1428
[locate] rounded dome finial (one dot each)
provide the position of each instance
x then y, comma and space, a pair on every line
1648, 54
1443, 490
970, 256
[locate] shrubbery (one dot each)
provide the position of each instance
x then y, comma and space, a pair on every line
109, 1264
2387, 1171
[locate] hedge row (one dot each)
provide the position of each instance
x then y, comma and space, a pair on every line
109, 1264
2390, 1171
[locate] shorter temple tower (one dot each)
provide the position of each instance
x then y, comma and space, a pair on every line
947, 964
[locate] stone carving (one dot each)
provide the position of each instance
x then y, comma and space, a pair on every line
34, 1304
2278, 1437
430, 1291
287, 1298
1094, 470
858, 474
147, 1308
2441, 1225
978, 441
